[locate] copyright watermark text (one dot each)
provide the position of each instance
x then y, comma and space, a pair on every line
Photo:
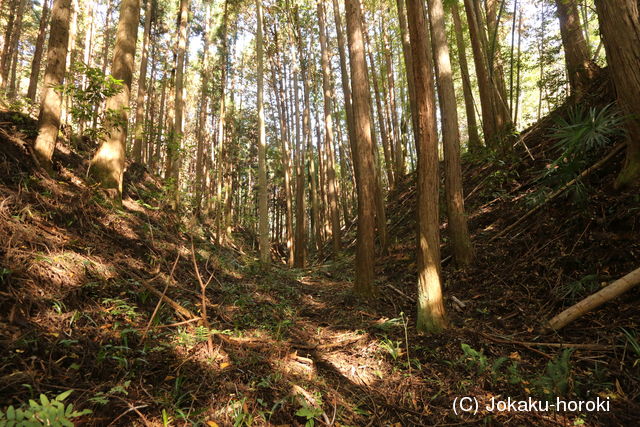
470, 404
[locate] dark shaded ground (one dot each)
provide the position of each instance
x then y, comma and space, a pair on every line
75, 301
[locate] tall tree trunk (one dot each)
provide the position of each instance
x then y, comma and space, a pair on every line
286, 153
179, 100
518, 71
408, 62
14, 48
346, 85
494, 53
580, 68
306, 134
472, 125
5, 58
263, 208
398, 152
458, 229
384, 136
365, 249
301, 232
106, 42
620, 28
73, 31
431, 313
332, 195
51, 103
484, 84
37, 54
222, 150
88, 49
202, 112
107, 166
138, 132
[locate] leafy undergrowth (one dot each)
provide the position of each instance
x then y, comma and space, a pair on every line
80, 279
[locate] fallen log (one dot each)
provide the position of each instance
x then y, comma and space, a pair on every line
593, 301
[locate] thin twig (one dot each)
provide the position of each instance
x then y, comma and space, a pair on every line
203, 288
164, 292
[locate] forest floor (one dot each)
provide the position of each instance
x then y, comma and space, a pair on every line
81, 277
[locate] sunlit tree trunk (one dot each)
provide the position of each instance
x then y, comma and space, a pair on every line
221, 150
365, 249
107, 166
13, 49
346, 85
398, 151
431, 313
5, 58
286, 152
620, 28
408, 61
138, 132
472, 124
88, 48
306, 135
37, 54
301, 232
51, 103
201, 136
518, 72
384, 136
263, 212
176, 159
458, 229
332, 195
484, 84
73, 32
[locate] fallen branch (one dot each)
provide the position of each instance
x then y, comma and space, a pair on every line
399, 292
173, 325
562, 189
164, 292
604, 295
577, 346
203, 289
177, 307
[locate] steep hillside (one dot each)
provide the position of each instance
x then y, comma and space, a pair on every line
81, 278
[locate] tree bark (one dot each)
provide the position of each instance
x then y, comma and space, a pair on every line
472, 125
365, 248
431, 313
332, 195
408, 62
263, 208
202, 112
5, 58
458, 229
50, 107
384, 135
37, 54
107, 166
346, 85
286, 153
620, 28
594, 301
580, 68
142, 85
13, 48
176, 159
484, 84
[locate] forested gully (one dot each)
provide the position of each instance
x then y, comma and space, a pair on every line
303, 167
